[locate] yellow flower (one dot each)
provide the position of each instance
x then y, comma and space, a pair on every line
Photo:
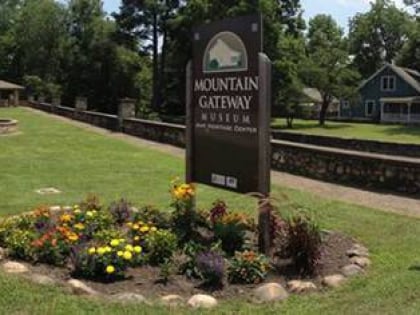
129, 248
120, 253
108, 249
135, 227
137, 249
66, 217
153, 229
127, 255
122, 240
144, 229
110, 269
79, 226
92, 250
130, 224
115, 243
89, 214
72, 237
101, 250
77, 211
136, 238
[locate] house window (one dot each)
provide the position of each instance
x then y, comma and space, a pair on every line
388, 83
369, 107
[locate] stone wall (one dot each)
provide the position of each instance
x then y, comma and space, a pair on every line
156, 131
359, 169
400, 149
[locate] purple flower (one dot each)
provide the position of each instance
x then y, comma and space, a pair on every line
211, 266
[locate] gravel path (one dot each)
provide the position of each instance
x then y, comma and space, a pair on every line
377, 200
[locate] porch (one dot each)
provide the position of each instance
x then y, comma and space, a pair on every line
400, 110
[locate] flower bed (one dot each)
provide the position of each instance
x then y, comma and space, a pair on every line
185, 250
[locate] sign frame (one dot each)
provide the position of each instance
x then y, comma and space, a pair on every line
262, 65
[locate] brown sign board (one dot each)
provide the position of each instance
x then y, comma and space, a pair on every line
228, 107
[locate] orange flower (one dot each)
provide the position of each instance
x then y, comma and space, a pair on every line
54, 242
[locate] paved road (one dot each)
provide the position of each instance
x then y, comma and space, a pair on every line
382, 201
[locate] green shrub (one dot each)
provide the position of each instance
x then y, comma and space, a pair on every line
231, 230
160, 246
19, 244
106, 262
247, 268
153, 216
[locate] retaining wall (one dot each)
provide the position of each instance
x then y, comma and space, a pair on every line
360, 169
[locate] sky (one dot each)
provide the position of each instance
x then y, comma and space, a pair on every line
341, 10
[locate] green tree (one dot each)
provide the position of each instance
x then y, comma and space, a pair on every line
40, 34
378, 35
288, 69
281, 18
143, 22
327, 66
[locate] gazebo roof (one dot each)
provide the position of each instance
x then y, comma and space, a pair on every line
9, 86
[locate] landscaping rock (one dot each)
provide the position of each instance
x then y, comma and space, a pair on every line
78, 287
270, 292
202, 301
334, 281
41, 279
14, 267
55, 208
48, 191
128, 297
351, 270
172, 300
361, 261
298, 286
359, 251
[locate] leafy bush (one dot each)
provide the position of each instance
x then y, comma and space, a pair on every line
211, 266
91, 203
108, 261
247, 267
303, 243
120, 211
231, 230
53, 247
185, 261
153, 216
160, 246
19, 243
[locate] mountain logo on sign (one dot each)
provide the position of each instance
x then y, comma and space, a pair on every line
225, 53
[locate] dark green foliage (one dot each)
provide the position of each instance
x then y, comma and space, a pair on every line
160, 246
302, 244
152, 215
247, 268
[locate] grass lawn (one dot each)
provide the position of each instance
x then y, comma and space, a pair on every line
388, 133
51, 153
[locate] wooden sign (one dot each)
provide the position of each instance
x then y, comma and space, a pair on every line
228, 107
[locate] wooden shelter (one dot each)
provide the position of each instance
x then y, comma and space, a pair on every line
9, 94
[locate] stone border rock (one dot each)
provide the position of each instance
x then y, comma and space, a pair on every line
265, 293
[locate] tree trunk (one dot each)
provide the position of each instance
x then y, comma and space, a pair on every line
289, 121
162, 67
323, 111
155, 100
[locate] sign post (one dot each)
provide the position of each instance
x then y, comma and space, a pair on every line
228, 110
